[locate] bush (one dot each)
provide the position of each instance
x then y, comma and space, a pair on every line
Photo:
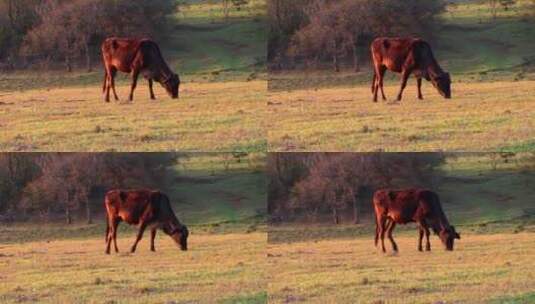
324, 30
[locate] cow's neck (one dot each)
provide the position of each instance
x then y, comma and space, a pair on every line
434, 70
440, 223
164, 73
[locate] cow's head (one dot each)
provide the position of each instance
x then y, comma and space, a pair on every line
172, 85
442, 83
180, 235
448, 236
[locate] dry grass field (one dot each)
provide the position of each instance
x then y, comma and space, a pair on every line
221, 108
484, 116
227, 268
492, 65
218, 116
483, 269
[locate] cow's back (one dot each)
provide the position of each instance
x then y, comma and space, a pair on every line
121, 52
403, 206
392, 52
131, 206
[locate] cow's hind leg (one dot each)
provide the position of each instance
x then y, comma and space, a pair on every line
139, 236
112, 83
376, 231
150, 90
152, 237
378, 81
112, 235
109, 237
107, 86
390, 228
382, 71
114, 228
382, 229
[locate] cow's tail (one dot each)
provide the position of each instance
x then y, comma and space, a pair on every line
376, 232
373, 81
107, 227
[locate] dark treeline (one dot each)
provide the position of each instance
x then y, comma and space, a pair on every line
69, 32
341, 184
310, 32
67, 186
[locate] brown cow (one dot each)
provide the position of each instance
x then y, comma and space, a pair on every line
411, 205
144, 208
136, 56
406, 56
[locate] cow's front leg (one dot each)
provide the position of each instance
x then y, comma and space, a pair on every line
404, 78
421, 231
428, 244
135, 75
139, 236
150, 89
152, 236
419, 84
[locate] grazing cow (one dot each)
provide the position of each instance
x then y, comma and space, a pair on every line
406, 56
136, 56
411, 205
144, 208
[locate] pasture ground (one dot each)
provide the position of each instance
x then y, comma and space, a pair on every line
486, 116
207, 117
487, 199
220, 199
225, 268
483, 269
221, 108
493, 72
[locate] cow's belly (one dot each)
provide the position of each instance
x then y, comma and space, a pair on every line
128, 218
399, 218
392, 65
125, 68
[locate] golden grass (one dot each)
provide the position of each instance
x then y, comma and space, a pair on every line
215, 269
482, 268
208, 117
480, 117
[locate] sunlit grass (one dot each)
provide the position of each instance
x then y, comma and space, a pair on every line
481, 269
207, 117
486, 116
216, 269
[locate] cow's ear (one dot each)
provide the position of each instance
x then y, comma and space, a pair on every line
457, 235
